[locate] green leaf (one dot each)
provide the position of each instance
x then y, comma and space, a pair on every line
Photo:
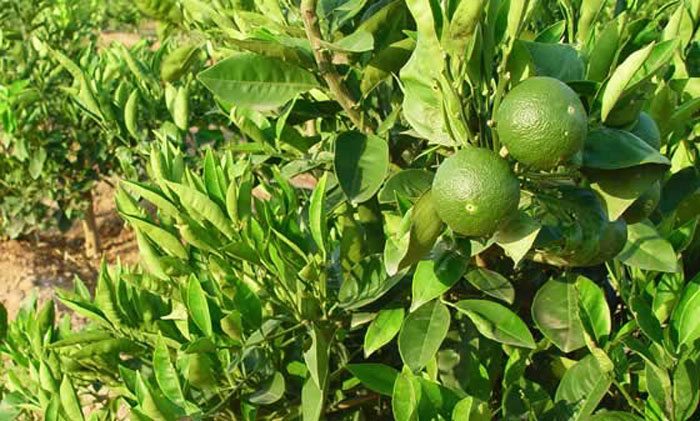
517, 11
559, 61
232, 325
463, 27
525, 398
256, 81
36, 163
405, 397
582, 388
385, 63
682, 185
647, 321
433, 278
660, 55
422, 104
159, 236
645, 249
166, 375
621, 78
517, 236
368, 282
270, 391
204, 206
153, 195
685, 321
553, 33
317, 214
69, 400
606, 415
316, 357
497, 322
421, 227
198, 306
379, 378
611, 149
604, 51
383, 329
682, 237
422, 334
361, 163
215, 190
3, 322
556, 313
296, 54
357, 42
594, 309
589, 11
686, 378
312, 399
471, 409
492, 283
436, 400
52, 410
410, 184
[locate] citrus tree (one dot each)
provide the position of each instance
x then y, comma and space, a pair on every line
462, 210
73, 113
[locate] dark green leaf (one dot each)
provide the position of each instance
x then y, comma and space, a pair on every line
614, 416
492, 283
379, 378
517, 236
387, 62
594, 309
526, 398
611, 149
361, 163
559, 61
409, 183
647, 321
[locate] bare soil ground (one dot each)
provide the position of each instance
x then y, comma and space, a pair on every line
41, 265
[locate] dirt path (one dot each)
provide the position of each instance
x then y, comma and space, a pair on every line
55, 259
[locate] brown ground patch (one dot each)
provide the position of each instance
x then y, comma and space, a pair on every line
41, 265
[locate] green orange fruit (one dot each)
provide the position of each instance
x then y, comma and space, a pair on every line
475, 192
542, 122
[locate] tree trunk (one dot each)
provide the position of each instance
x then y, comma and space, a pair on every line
92, 235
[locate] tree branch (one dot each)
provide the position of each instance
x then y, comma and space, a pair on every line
325, 66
